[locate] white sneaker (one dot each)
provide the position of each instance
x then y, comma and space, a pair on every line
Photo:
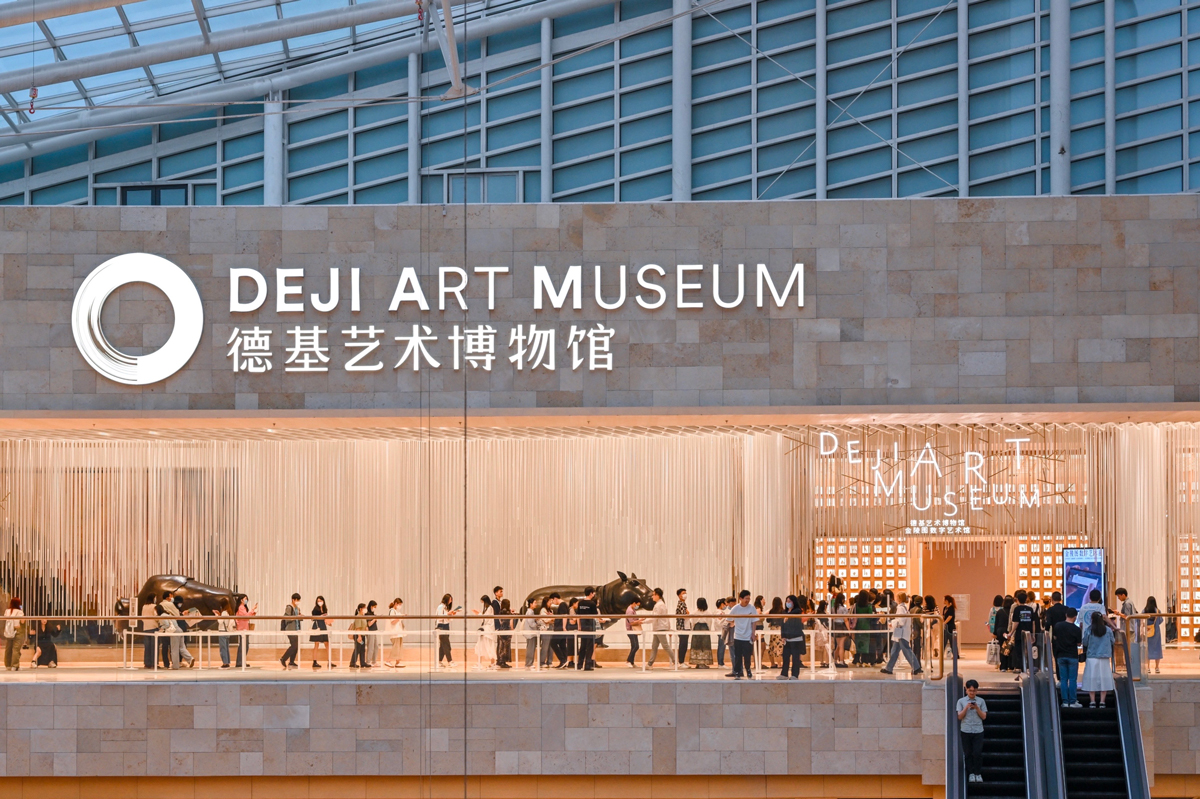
970, 778
1064, 704
978, 778
1076, 704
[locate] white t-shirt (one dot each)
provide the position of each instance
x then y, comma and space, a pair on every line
743, 628
395, 623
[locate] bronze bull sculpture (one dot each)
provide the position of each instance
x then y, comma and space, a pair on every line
612, 598
208, 599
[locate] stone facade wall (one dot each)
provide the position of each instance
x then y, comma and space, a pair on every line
1019, 300
514, 728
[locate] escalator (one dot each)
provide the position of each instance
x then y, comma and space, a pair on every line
1093, 760
1003, 747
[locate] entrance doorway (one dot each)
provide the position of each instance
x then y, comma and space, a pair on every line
973, 575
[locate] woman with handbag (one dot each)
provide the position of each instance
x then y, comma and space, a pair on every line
14, 635
1097, 671
1152, 632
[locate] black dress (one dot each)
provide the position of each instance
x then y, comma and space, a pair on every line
47, 651
319, 624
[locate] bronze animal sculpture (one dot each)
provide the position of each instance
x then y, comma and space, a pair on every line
612, 598
208, 599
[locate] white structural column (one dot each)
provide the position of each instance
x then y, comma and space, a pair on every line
1060, 97
822, 102
964, 104
273, 150
681, 103
414, 129
1110, 97
547, 132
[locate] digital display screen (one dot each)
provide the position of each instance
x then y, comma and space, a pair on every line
1083, 571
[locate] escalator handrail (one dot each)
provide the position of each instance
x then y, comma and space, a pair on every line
1031, 722
956, 777
1056, 783
1137, 779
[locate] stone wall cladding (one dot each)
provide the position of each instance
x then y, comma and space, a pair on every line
535, 728
910, 302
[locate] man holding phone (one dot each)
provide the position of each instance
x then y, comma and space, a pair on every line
972, 710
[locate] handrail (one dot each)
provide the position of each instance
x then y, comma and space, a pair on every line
1137, 779
1051, 724
643, 617
1031, 718
956, 776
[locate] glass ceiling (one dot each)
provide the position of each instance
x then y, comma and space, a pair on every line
154, 22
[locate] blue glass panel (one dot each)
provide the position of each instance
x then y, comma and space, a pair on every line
721, 169
775, 9
857, 15
1151, 62
927, 58
789, 93
722, 80
719, 52
59, 159
501, 188
1001, 70
320, 90
911, 92
928, 118
512, 104
788, 65
99, 197
317, 126
727, 108
1087, 170
998, 131
859, 165
520, 74
998, 162
991, 11
1086, 48
379, 75
187, 161
601, 194
14, 170
639, 8
1087, 140
582, 116
736, 191
591, 58
720, 140
242, 146
786, 124
474, 188
204, 194
62, 193
650, 187
583, 145
383, 166
574, 177
800, 151
1194, 142
1012, 186
123, 142
249, 197
1166, 182
431, 189
340, 199
583, 21
925, 29
514, 40
1143, 34
859, 135
138, 173
316, 155
1000, 39
858, 75
646, 70
533, 187
919, 181
384, 194
14, 199
1193, 52
1000, 100
873, 188
317, 183
528, 156
1086, 18
1129, 9
514, 133
1144, 95
704, 26
449, 121
1087, 109
859, 45
432, 60
788, 34
1085, 79
645, 100
571, 89
174, 130
449, 150
640, 43
379, 112
646, 129
930, 148
1152, 123
797, 180
645, 159
1148, 156
368, 141
1194, 113
243, 173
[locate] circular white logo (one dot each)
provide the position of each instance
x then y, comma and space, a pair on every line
137, 370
